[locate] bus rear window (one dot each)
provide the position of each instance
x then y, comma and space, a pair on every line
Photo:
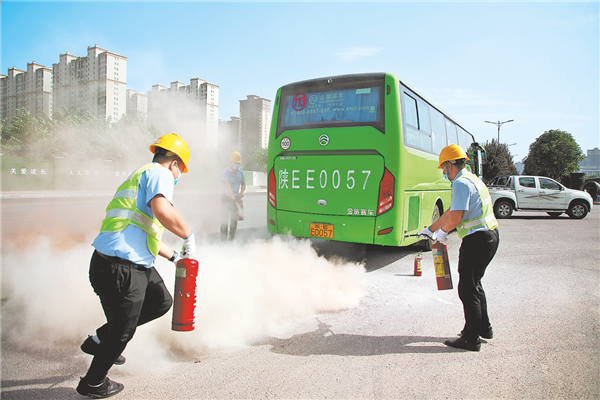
343, 107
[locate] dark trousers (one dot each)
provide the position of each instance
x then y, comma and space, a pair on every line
476, 252
131, 295
229, 217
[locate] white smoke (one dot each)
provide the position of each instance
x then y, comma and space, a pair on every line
245, 292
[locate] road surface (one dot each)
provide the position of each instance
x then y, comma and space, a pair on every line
259, 338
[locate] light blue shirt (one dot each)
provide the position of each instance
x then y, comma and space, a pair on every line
466, 198
235, 180
131, 243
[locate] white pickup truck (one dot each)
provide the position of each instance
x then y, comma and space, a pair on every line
537, 193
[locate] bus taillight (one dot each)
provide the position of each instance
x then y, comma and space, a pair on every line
386, 192
272, 188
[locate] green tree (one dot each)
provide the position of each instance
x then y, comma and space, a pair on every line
29, 136
79, 134
554, 154
497, 161
258, 160
75, 134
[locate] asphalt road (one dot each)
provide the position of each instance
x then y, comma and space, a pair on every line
543, 291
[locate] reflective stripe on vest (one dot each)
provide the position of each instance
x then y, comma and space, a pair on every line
488, 219
122, 211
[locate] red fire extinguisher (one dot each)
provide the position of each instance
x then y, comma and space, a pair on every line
184, 296
419, 264
442, 265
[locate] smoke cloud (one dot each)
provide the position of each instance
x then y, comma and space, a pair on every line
245, 292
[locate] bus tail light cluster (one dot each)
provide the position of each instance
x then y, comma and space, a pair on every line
386, 192
272, 199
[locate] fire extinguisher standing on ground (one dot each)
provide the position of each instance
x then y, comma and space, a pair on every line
418, 264
184, 296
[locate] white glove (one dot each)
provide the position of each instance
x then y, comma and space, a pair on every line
189, 246
426, 234
178, 256
440, 235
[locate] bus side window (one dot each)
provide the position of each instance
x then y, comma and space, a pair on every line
424, 124
451, 132
438, 131
413, 135
462, 138
410, 111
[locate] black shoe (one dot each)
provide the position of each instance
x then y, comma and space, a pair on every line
486, 334
106, 389
90, 347
461, 343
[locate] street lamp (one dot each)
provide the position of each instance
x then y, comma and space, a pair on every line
499, 124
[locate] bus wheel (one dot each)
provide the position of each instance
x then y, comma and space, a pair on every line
426, 244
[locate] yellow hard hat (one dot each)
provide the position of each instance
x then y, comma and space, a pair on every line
236, 157
452, 152
173, 143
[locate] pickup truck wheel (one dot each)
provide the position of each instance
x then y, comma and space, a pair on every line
503, 209
554, 214
577, 210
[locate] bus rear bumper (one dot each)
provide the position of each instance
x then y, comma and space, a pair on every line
357, 229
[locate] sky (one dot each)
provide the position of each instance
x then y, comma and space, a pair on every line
536, 63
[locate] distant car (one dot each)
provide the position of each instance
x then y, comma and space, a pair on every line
537, 193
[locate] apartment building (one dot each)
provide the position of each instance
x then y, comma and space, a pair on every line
95, 83
255, 122
137, 105
591, 164
200, 97
229, 137
30, 89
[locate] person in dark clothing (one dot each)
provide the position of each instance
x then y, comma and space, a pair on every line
122, 271
472, 215
234, 185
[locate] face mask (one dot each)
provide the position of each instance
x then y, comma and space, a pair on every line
178, 176
445, 174
236, 166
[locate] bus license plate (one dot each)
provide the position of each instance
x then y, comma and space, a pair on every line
321, 230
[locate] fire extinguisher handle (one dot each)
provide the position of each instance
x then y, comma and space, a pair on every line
176, 257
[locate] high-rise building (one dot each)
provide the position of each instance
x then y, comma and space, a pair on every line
200, 98
591, 164
95, 84
31, 89
255, 122
229, 137
137, 104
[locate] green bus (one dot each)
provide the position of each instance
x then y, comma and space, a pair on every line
354, 158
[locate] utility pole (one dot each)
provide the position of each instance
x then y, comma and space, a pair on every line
499, 124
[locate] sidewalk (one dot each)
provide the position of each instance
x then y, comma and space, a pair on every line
41, 194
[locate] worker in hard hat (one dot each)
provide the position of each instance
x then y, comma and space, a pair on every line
122, 270
472, 216
234, 185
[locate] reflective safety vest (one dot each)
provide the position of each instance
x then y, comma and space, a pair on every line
487, 213
122, 211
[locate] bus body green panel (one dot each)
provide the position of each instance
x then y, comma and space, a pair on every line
330, 183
